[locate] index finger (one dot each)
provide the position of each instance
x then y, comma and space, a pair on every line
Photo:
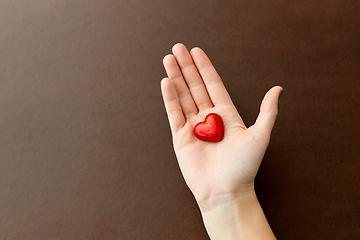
212, 80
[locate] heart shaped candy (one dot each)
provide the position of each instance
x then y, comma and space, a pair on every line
211, 130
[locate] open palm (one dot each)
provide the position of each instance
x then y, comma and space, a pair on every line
192, 90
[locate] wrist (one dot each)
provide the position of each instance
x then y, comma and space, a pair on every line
224, 199
236, 217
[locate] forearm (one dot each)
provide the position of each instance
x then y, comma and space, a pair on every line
239, 217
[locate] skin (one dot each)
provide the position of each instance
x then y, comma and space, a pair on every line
220, 175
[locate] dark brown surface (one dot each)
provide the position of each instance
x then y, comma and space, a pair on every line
85, 147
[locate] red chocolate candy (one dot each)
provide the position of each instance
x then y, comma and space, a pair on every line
211, 130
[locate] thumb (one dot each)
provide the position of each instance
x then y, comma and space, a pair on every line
268, 111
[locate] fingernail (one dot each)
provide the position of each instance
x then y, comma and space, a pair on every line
280, 93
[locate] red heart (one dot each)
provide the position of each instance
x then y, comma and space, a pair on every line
211, 130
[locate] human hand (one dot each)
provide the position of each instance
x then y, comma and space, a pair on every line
214, 172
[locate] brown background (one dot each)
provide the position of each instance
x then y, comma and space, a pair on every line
85, 147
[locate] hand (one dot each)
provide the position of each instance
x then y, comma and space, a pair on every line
214, 172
